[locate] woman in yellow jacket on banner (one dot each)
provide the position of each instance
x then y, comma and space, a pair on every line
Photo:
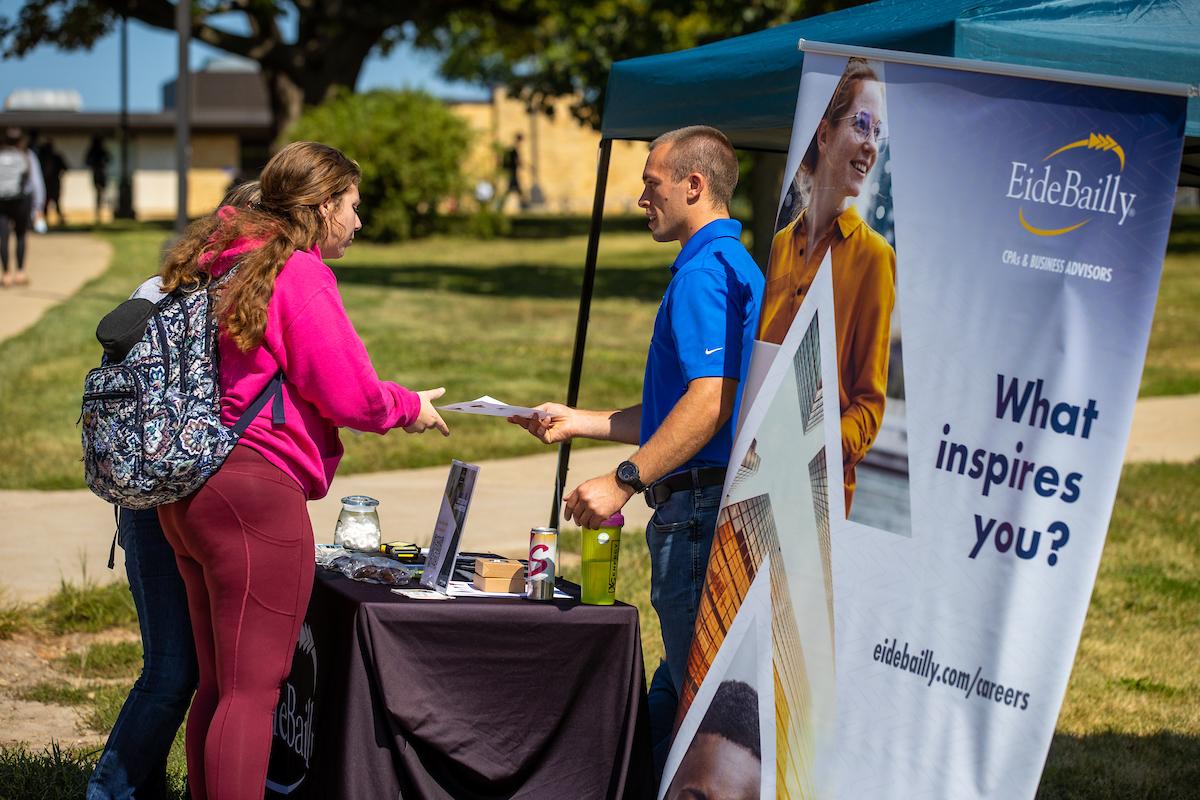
832, 172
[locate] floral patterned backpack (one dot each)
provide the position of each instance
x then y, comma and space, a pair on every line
151, 420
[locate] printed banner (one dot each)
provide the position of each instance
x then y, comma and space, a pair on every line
957, 308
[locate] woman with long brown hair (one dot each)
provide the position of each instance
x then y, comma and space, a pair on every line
243, 542
134, 760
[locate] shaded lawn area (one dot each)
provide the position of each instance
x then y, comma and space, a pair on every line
1173, 356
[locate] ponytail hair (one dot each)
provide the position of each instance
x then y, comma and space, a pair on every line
283, 218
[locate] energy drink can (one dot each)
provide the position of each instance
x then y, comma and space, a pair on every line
543, 562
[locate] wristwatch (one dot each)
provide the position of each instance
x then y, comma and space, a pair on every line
627, 473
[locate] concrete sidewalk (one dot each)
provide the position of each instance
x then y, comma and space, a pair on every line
53, 536
1165, 429
57, 265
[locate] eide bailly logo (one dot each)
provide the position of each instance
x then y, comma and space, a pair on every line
1070, 188
294, 722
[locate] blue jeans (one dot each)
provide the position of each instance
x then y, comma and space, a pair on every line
134, 762
679, 536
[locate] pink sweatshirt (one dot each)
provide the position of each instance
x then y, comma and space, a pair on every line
329, 379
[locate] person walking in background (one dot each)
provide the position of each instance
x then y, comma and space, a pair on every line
134, 760
53, 166
244, 541
512, 171
97, 159
832, 173
22, 193
696, 366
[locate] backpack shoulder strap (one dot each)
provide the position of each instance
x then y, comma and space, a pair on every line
112, 550
274, 393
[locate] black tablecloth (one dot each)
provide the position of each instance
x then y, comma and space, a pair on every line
463, 698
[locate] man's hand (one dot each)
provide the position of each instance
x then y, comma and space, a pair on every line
563, 424
428, 416
596, 500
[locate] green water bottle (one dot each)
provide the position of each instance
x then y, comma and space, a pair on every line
601, 547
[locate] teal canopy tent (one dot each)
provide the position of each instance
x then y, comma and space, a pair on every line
747, 86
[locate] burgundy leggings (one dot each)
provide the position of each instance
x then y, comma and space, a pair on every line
244, 545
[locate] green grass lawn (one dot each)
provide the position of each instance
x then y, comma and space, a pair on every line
94, 678
1173, 357
1130, 724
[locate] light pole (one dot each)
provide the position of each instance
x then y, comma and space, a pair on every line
125, 184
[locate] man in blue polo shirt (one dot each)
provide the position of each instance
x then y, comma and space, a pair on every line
695, 369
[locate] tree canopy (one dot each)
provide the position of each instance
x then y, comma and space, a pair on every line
305, 48
570, 47
410, 148
538, 49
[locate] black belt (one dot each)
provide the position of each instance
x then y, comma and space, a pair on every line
701, 478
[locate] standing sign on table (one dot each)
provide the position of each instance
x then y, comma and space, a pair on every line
957, 309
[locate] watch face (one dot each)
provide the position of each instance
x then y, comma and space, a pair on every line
627, 472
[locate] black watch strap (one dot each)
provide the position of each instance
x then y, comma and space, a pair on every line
627, 473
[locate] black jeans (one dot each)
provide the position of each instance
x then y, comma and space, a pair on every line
14, 218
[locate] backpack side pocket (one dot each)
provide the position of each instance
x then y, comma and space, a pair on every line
112, 429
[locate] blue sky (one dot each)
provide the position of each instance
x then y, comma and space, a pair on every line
152, 55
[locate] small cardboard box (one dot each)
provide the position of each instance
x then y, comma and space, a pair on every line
512, 585
498, 575
498, 567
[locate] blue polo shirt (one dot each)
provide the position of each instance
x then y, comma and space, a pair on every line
704, 329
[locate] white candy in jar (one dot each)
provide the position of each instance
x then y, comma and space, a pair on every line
358, 534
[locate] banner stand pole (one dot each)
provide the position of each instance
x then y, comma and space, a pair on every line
581, 323
1001, 68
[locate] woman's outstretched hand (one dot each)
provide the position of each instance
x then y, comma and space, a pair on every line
428, 416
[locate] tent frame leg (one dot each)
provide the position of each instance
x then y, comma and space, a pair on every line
581, 323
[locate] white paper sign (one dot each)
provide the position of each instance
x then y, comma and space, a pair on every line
491, 407
421, 594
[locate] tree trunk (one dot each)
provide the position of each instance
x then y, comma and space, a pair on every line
312, 73
766, 178
287, 101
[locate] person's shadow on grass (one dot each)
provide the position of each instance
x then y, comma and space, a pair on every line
1116, 766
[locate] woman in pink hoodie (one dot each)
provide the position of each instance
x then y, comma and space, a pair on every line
243, 542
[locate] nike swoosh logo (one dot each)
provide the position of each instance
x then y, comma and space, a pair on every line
708, 352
